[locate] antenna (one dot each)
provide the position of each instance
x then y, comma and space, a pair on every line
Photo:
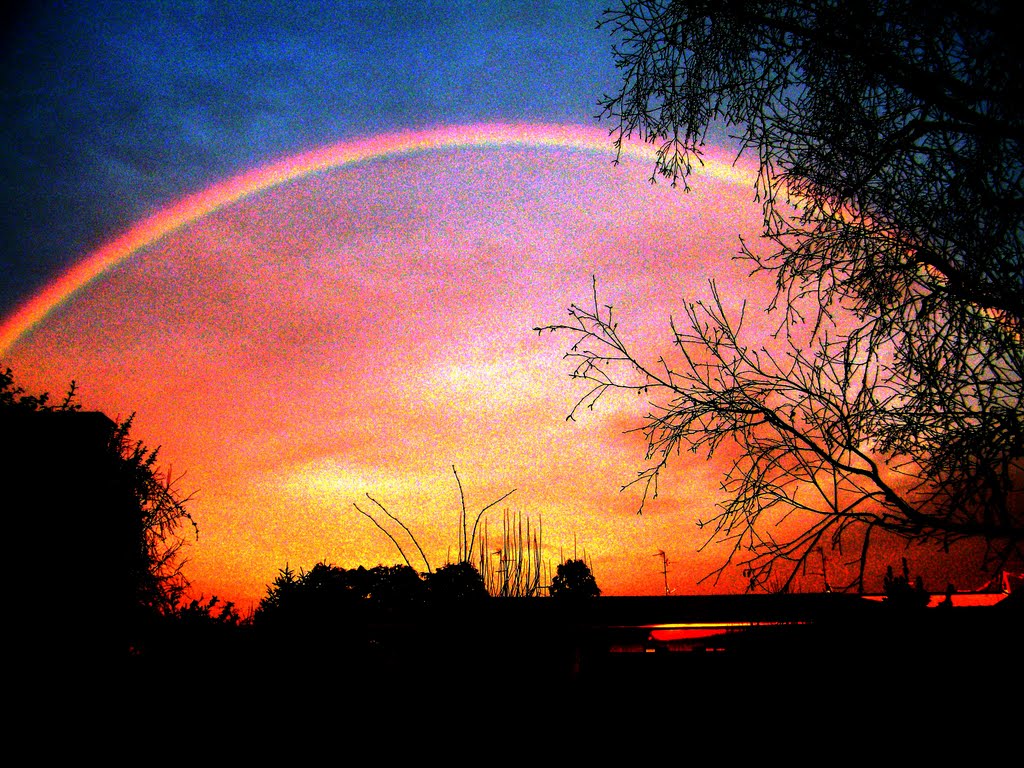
664, 568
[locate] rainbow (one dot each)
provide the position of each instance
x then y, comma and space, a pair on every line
195, 206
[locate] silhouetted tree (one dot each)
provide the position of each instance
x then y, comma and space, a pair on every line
322, 613
280, 595
573, 580
456, 583
154, 513
316, 596
329, 594
357, 622
395, 588
889, 141
77, 470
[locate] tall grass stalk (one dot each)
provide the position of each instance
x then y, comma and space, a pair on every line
519, 565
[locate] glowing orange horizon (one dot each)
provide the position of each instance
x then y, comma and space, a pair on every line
314, 455
404, 143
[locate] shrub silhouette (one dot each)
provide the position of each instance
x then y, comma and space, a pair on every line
456, 583
573, 580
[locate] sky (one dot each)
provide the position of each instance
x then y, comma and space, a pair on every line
305, 245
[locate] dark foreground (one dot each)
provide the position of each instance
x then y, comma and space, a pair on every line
799, 646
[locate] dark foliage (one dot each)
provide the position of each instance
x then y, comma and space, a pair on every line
81, 474
574, 581
330, 594
459, 583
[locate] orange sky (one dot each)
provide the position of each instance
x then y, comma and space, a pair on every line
363, 329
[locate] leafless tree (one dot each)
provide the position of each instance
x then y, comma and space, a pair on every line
891, 170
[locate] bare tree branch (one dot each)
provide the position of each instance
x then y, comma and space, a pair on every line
892, 188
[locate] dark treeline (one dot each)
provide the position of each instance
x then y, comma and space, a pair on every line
94, 505
382, 626
102, 526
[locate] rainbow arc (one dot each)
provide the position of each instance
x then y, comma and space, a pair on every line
336, 156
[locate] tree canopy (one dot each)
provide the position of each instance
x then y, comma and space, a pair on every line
574, 580
74, 470
888, 135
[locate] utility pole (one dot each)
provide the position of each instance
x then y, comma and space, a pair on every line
664, 568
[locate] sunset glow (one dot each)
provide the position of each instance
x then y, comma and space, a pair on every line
357, 320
